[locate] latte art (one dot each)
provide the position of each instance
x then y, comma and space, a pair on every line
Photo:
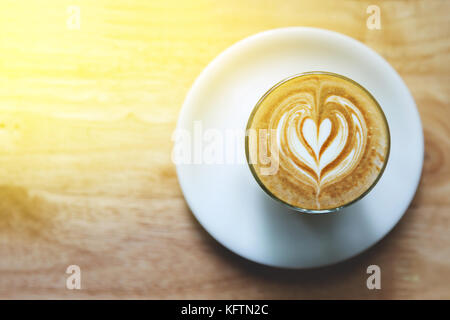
317, 148
331, 140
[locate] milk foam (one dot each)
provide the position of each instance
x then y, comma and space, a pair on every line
303, 138
331, 138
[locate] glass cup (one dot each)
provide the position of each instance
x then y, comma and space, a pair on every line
270, 193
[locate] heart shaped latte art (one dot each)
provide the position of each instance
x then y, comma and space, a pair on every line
324, 144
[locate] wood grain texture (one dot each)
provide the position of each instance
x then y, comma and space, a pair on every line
86, 118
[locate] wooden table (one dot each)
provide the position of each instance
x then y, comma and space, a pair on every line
86, 115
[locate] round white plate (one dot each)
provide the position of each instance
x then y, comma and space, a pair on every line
226, 199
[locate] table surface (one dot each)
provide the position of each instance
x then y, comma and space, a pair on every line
86, 116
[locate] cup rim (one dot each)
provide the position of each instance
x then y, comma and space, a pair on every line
305, 210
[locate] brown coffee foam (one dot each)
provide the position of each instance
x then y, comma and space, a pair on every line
285, 184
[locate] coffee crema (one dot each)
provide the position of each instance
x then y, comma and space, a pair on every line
327, 137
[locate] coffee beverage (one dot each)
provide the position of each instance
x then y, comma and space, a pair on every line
324, 138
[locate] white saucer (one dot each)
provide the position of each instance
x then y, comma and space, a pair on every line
229, 203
